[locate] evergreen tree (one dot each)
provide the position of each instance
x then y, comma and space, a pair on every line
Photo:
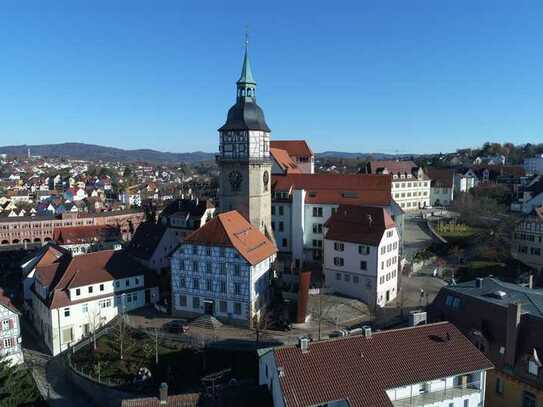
17, 387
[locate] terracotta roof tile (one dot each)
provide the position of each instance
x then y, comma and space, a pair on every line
180, 400
86, 234
231, 229
284, 161
338, 188
360, 369
440, 177
295, 148
393, 166
359, 224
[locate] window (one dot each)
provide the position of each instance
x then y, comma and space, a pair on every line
389, 233
90, 289
208, 251
533, 367
195, 302
67, 335
356, 279
196, 284
222, 286
237, 289
317, 212
339, 247
281, 211
127, 282
281, 227
194, 249
452, 302
182, 282
285, 242
183, 300
77, 291
84, 308
347, 277
102, 286
223, 306
209, 268
105, 303
317, 228
499, 385
273, 210
338, 261
195, 266
237, 308
338, 276
66, 312
363, 250
6, 325
363, 265
118, 283
237, 270
383, 250
209, 285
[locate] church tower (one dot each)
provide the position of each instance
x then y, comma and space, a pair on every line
244, 156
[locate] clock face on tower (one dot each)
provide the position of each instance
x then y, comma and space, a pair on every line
266, 180
235, 179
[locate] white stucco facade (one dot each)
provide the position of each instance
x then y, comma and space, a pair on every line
363, 271
411, 192
89, 307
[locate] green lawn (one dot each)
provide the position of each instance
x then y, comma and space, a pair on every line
459, 233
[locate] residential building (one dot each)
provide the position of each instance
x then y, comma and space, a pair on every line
426, 365
299, 152
186, 215
465, 181
505, 322
361, 247
490, 160
74, 296
527, 243
530, 196
86, 239
302, 203
152, 244
223, 269
534, 165
410, 184
441, 186
40, 229
10, 332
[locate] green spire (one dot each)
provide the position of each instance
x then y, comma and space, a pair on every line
246, 72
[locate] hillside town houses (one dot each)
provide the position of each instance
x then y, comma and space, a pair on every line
264, 232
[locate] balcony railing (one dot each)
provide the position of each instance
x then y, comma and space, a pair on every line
431, 397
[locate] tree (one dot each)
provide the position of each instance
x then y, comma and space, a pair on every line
17, 386
95, 322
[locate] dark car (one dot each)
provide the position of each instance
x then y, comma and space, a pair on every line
176, 326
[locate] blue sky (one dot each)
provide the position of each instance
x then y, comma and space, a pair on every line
366, 76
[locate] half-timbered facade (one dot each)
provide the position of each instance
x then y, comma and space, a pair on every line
223, 269
10, 332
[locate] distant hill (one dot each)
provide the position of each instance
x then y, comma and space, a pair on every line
362, 156
95, 153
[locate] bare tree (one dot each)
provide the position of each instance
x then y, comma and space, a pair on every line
95, 322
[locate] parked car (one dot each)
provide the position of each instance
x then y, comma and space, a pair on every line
177, 326
339, 333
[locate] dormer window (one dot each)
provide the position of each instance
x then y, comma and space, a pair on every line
77, 291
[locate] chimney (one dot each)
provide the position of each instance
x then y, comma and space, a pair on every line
531, 281
304, 344
163, 393
479, 282
367, 331
514, 313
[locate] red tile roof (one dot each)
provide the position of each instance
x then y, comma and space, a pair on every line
440, 177
360, 369
393, 166
180, 400
85, 234
284, 161
231, 229
92, 268
338, 188
295, 148
359, 224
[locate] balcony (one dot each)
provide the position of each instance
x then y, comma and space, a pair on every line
431, 397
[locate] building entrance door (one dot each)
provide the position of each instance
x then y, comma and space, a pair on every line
209, 307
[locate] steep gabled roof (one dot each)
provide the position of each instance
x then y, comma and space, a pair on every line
146, 240
359, 224
294, 148
231, 229
284, 161
86, 234
360, 369
440, 177
393, 166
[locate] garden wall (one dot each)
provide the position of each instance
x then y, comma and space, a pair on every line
101, 394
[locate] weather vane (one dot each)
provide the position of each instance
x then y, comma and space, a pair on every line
246, 36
